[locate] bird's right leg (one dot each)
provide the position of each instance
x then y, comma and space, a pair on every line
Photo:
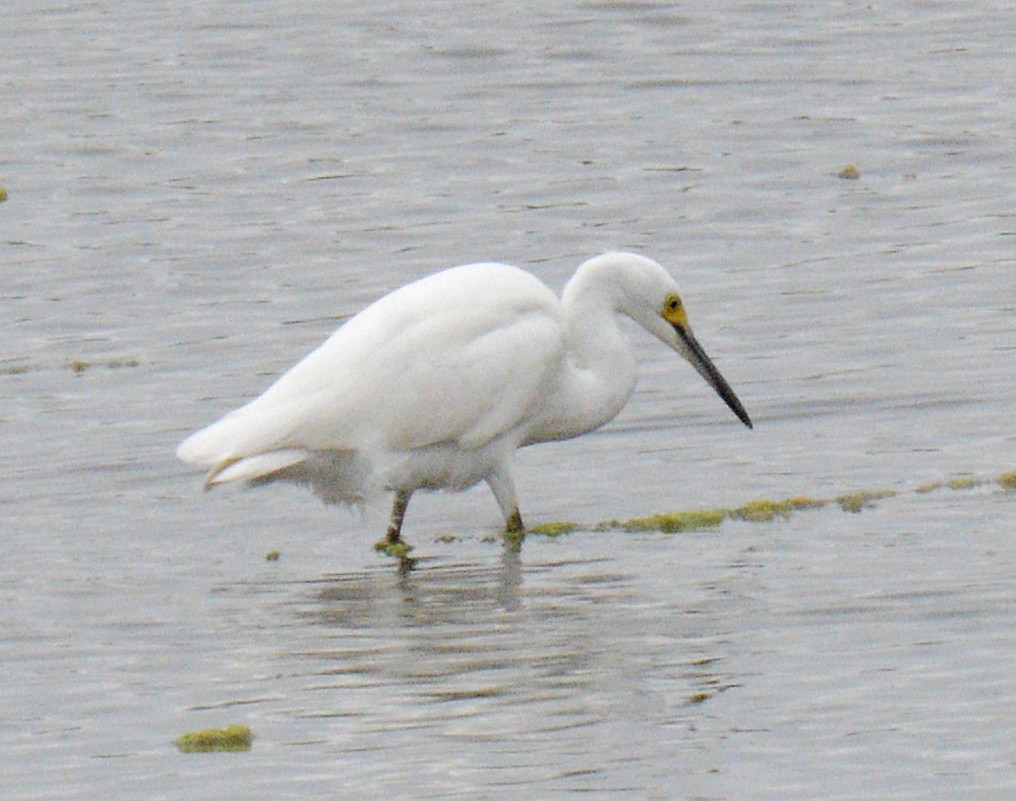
501, 484
399, 505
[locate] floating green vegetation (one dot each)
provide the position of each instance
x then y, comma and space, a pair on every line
231, 738
1006, 480
763, 511
116, 364
856, 501
272, 556
675, 522
3, 194
849, 173
75, 365
554, 529
80, 365
758, 511
397, 550
514, 536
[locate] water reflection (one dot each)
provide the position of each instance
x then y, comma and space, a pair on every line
534, 648
428, 594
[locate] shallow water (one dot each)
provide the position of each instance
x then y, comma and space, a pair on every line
199, 194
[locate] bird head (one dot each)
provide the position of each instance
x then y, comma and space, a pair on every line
647, 293
678, 334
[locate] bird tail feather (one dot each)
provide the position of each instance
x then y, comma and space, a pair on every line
254, 468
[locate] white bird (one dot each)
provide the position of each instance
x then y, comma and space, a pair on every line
437, 384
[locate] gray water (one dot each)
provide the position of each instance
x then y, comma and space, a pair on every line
200, 192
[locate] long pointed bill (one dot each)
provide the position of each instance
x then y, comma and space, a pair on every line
704, 365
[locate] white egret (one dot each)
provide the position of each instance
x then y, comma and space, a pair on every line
437, 384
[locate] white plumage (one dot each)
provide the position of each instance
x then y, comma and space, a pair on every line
438, 383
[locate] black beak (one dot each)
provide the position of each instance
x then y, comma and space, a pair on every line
705, 367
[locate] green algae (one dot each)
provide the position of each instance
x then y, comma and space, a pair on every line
553, 529
76, 366
206, 741
762, 511
80, 365
865, 499
513, 536
757, 511
397, 550
675, 522
963, 483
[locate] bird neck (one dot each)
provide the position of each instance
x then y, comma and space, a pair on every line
599, 373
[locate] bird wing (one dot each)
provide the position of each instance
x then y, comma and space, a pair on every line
462, 356
480, 378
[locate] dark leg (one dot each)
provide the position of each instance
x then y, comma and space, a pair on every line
514, 531
398, 513
501, 485
514, 522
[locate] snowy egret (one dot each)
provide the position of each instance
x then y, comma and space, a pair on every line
437, 384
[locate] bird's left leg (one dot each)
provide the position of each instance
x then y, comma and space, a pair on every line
501, 484
392, 544
394, 536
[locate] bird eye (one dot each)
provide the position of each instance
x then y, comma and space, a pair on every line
673, 311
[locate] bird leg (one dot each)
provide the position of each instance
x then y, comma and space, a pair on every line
514, 531
402, 497
513, 525
501, 484
392, 544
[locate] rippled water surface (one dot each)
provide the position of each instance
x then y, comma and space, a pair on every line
198, 193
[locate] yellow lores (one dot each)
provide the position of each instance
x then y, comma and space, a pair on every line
674, 313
